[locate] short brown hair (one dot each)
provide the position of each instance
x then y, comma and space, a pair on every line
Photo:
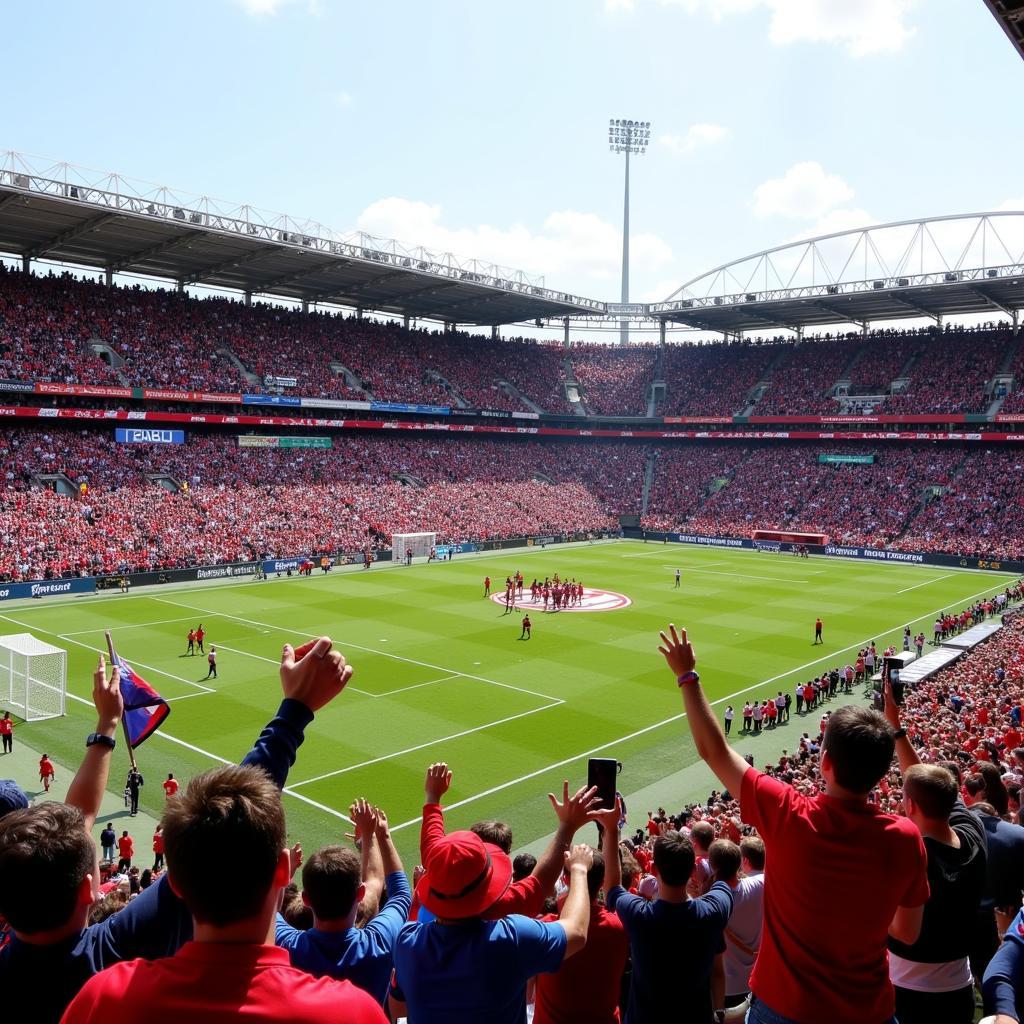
331, 880
674, 857
45, 853
497, 833
752, 848
724, 857
702, 832
860, 744
595, 875
233, 814
932, 788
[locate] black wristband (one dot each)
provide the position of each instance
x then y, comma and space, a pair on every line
899, 734
95, 738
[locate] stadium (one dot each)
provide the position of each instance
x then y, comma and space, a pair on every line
448, 510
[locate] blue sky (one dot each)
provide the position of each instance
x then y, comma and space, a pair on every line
480, 128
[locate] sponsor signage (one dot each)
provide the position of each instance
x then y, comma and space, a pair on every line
266, 441
270, 400
283, 564
47, 588
161, 395
148, 435
865, 460
333, 403
90, 390
14, 385
279, 382
429, 410
220, 572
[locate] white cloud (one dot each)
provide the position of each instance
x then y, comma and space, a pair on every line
1012, 204
863, 27
268, 8
804, 191
697, 136
845, 219
343, 99
573, 250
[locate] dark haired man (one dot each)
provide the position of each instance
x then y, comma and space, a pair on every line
817, 846
43, 850
587, 986
332, 887
231, 968
676, 942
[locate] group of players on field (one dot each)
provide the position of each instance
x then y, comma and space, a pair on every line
553, 594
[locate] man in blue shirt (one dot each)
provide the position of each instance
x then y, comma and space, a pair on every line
676, 942
334, 883
53, 952
461, 969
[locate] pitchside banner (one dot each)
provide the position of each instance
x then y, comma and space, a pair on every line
47, 588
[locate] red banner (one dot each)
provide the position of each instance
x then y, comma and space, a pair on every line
90, 390
219, 419
159, 395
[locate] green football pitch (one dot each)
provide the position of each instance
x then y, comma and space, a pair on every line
441, 674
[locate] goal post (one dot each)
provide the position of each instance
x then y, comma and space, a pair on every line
33, 677
419, 543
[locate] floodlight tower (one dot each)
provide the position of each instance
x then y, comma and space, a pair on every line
627, 137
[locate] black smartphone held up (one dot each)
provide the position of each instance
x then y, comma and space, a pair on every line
891, 672
602, 772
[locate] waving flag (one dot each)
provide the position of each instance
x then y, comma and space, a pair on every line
144, 708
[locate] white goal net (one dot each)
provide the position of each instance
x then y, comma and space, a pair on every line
419, 544
33, 677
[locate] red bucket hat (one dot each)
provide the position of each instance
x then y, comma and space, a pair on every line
464, 876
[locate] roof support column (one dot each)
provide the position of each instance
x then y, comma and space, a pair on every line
405, 321
565, 338
495, 332
662, 329
248, 300
108, 277
26, 264
305, 305
864, 329
800, 333
1016, 321
359, 312
181, 284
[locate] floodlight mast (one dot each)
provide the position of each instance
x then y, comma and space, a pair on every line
627, 137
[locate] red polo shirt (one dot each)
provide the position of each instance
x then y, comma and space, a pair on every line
851, 857
219, 983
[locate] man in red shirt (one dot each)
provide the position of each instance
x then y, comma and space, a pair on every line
525, 635
125, 851
170, 786
47, 773
158, 848
587, 986
487, 586
200, 634
817, 846
231, 969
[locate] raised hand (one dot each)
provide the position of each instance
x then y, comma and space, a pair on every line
678, 651
580, 855
295, 858
607, 817
363, 817
436, 784
106, 695
573, 811
314, 674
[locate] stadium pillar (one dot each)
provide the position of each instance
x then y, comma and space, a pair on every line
1016, 321
405, 321
624, 324
108, 276
26, 263
359, 312
181, 284
248, 299
661, 334
565, 339
495, 333
305, 305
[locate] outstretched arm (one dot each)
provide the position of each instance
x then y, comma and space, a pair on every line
90, 782
710, 741
904, 748
572, 814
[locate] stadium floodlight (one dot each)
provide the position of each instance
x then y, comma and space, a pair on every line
626, 136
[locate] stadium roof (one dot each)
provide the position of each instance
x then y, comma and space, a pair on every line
63, 213
945, 266
1010, 14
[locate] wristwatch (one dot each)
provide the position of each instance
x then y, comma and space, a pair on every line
899, 734
687, 677
95, 738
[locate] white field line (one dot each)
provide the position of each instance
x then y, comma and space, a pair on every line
906, 590
423, 746
369, 650
99, 650
416, 686
274, 661
673, 718
134, 625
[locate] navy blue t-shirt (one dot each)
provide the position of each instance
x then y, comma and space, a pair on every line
673, 946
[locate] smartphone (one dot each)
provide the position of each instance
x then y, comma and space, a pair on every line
602, 772
891, 671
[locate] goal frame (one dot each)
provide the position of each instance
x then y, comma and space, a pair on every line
33, 677
420, 543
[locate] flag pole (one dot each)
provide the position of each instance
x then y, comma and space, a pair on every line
124, 722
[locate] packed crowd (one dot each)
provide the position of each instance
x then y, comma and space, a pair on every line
170, 340
911, 812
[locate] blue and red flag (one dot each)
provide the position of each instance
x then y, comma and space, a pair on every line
144, 708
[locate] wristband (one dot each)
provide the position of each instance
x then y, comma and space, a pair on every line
688, 677
899, 734
97, 738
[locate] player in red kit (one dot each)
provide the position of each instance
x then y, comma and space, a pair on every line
547, 596
191, 642
47, 773
817, 632
200, 633
487, 586
525, 635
